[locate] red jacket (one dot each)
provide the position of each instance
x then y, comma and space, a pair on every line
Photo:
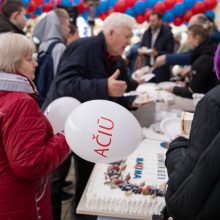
28, 153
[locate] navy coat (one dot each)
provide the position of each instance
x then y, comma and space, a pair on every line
84, 70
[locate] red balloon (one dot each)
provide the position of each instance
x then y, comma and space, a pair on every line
199, 7
210, 4
169, 3
58, 2
188, 14
81, 8
38, 2
32, 7
130, 3
120, 6
48, 7
178, 21
147, 14
160, 7
139, 18
103, 16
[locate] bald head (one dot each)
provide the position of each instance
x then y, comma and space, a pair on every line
198, 19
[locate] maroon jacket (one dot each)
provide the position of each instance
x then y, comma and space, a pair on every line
29, 151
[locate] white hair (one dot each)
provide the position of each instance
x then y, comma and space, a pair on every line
118, 20
13, 48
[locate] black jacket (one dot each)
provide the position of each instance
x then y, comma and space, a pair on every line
194, 165
84, 70
7, 26
203, 75
164, 44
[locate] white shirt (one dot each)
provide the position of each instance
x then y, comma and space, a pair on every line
153, 40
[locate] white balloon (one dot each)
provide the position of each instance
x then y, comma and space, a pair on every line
102, 131
58, 111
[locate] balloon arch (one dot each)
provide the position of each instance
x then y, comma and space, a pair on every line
176, 11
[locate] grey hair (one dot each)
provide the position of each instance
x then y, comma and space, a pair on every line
13, 48
118, 20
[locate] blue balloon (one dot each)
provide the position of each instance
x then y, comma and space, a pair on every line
139, 7
189, 3
97, 11
112, 3
179, 9
168, 16
28, 16
66, 3
210, 14
150, 3
130, 11
75, 2
38, 11
85, 15
46, 1
103, 7
26, 2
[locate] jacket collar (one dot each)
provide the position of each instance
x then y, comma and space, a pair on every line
206, 47
101, 38
8, 26
16, 83
107, 58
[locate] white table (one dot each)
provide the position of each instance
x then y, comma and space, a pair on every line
170, 100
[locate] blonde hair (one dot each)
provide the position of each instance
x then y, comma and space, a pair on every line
118, 20
199, 30
14, 48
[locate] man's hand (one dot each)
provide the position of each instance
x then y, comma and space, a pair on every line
181, 84
186, 71
154, 52
139, 81
116, 88
170, 89
160, 61
138, 105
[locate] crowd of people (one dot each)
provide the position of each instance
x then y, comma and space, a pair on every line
34, 162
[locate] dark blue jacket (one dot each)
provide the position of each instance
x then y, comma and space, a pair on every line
164, 44
84, 70
179, 59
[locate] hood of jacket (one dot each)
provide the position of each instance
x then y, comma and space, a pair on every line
48, 28
207, 47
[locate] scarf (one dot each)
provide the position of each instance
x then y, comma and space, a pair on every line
17, 83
